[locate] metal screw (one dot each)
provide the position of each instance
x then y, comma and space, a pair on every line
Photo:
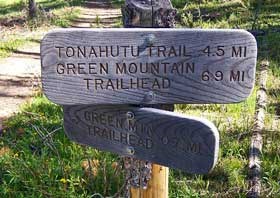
164, 140
150, 39
130, 115
130, 150
150, 96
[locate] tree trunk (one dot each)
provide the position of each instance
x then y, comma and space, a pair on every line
32, 9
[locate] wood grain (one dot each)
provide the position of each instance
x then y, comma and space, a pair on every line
166, 138
158, 14
215, 67
157, 186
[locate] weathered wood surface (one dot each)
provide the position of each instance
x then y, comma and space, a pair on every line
151, 180
257, 140
167, 138
173, 66
148, 13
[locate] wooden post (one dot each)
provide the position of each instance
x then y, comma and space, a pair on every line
157, 186
151, 13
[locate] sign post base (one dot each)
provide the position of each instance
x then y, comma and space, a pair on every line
157, 186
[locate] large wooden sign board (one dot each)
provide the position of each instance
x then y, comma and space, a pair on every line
167, 138
147, 66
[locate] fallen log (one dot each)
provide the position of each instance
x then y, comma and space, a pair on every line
254, 173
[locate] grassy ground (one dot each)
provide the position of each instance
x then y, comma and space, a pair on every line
17, 27
37, 159
234, 121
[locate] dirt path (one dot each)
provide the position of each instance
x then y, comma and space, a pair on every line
20, 73
98, 13
18, 76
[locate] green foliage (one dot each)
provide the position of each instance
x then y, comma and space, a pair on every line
229, 175
57, 4
117, 3
7, 7
38, 160
97, 21
58, 13
118, 24
234, 121
187, 19
179, 3
64, 20
6, 48
31, 165
51, 13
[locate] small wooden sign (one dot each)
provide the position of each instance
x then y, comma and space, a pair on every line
167, 138
147, 66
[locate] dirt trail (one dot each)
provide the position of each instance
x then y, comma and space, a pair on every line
20, 73
98, 13
18, 76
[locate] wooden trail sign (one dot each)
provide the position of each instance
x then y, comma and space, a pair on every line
147, 66
167, 138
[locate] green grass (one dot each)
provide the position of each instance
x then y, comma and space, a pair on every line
30, 147
57, 13
51, 167
6, 48
117, 3
229, 175
15, 7
231, 14
38, 160
61, 20
234, 121
11, 6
